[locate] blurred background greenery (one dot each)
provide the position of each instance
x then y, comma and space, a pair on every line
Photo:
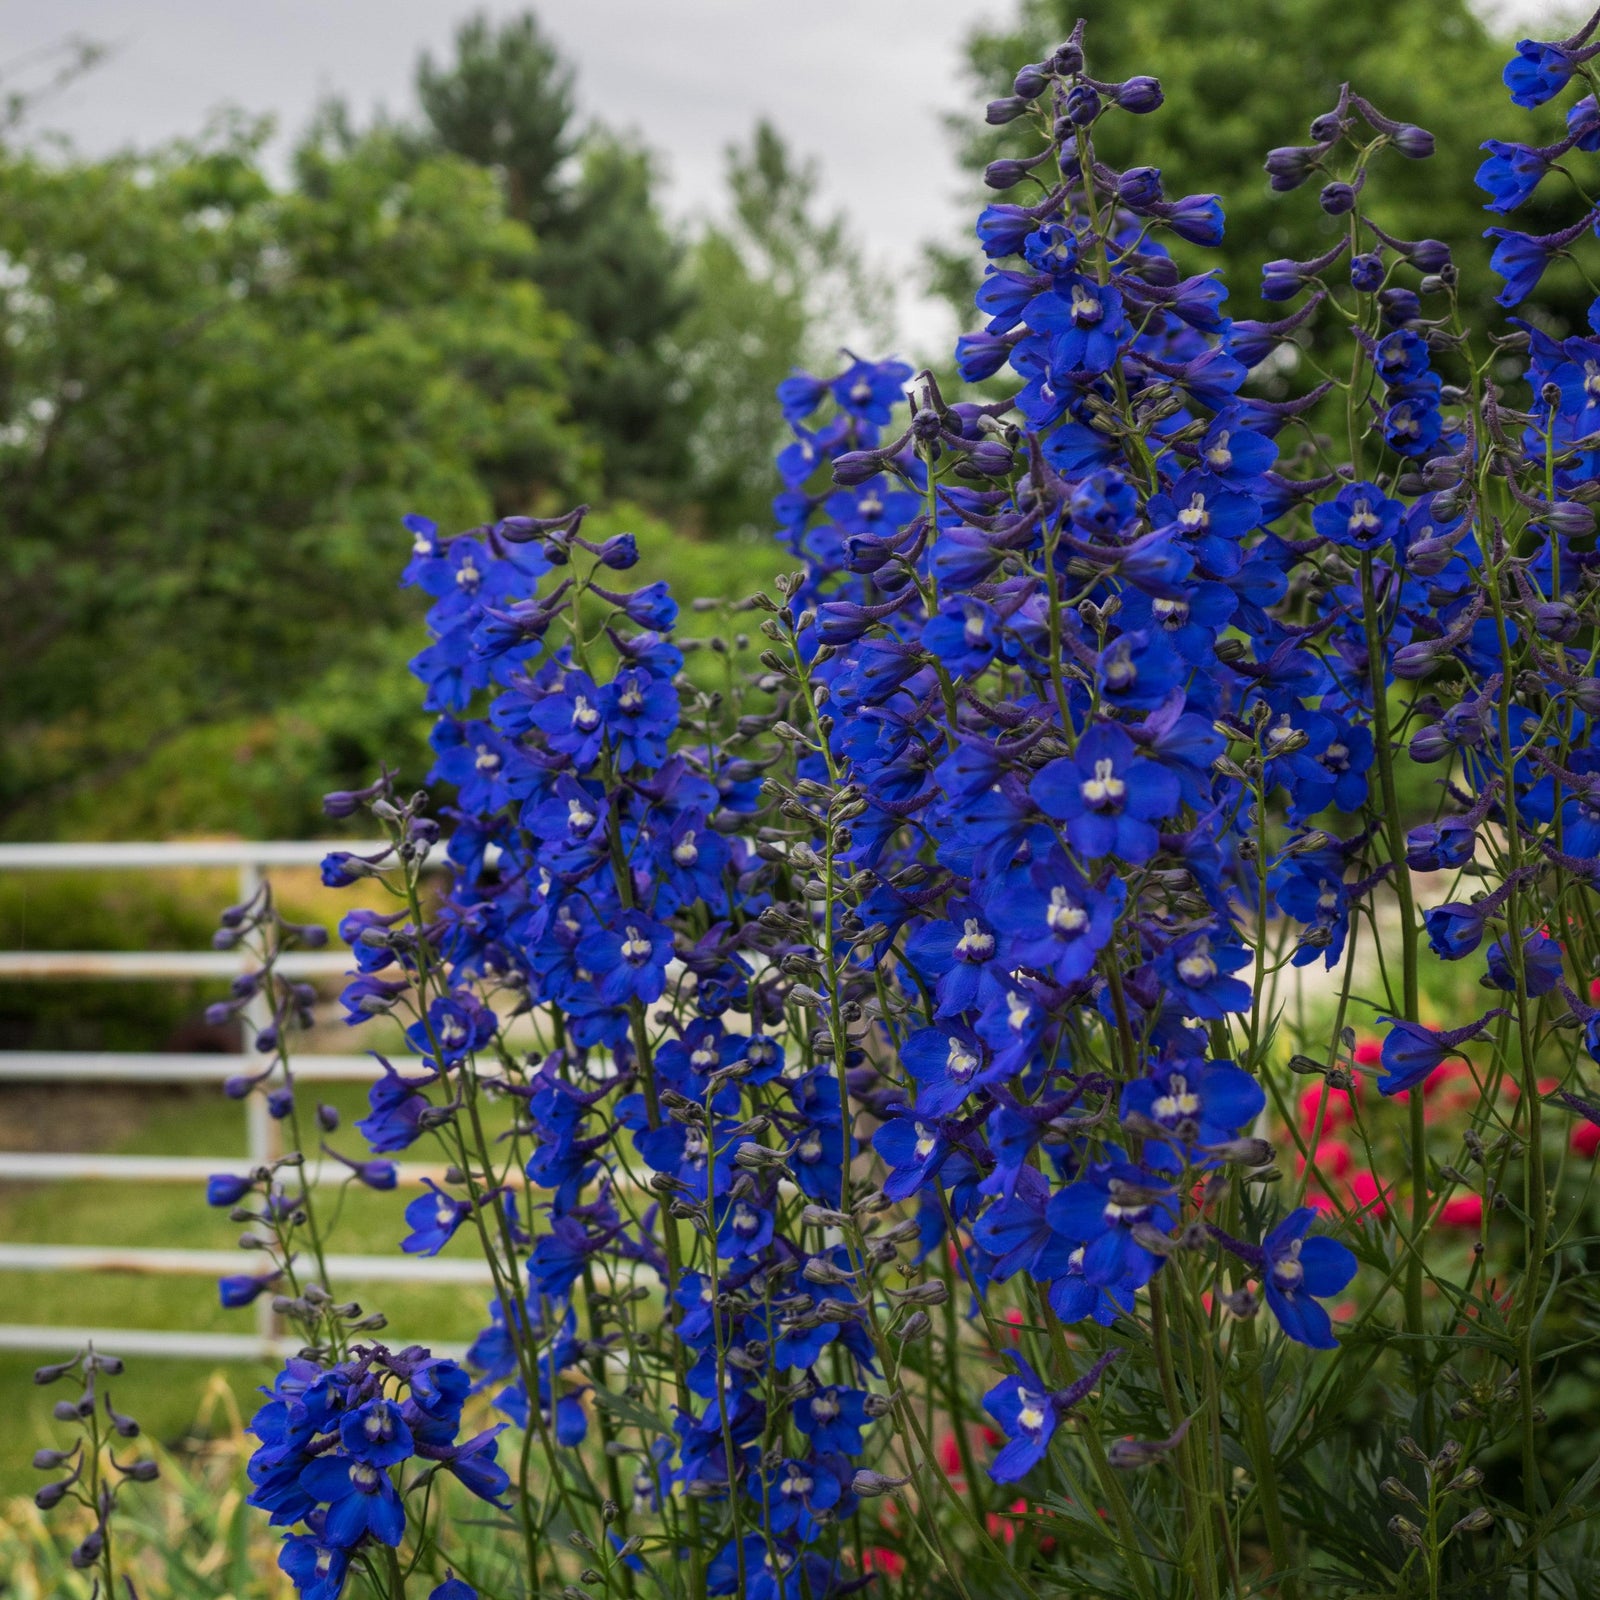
219, 393
220, 389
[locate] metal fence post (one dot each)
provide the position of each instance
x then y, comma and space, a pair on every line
262, 1144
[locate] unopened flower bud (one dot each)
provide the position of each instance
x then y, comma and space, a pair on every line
869, 1484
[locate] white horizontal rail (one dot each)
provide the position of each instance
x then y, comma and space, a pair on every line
121, 964
196, 853
130, 1066
222, 1263
151, 1342
60, 1167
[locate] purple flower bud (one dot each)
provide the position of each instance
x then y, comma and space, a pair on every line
1555, 619
1068, 58
1031, 81
54, 1372
227, 1189
1006, 173
88, 1552
52, 1494
327, 1118
1570, 519
990, 458
1139, 95
241, 1289
1083, 104
1139, 186
280, 1102
999, 112
855, 467
1400, 306
1338, 199
1326, 128
619, 552
1413, 142
1428, 255
1366, 271
1290, 165
346, 802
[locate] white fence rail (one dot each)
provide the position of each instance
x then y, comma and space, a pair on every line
251, 861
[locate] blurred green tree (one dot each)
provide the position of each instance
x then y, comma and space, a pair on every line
682, 338
1242, 76
604, 253
216, 400
776, 286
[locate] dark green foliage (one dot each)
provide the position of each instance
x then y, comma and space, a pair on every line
216, 401
604, 254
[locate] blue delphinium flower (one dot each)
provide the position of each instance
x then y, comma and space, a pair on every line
1109, 797
1298, 1272
1028, 1412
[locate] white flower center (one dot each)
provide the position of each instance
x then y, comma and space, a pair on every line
960, 1063
1105, 789
1178, 1101
1197, 967
1062, 916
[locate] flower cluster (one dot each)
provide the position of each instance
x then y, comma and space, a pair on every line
343, 1447
940, 958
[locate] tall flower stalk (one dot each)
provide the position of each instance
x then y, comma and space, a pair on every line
883, 1066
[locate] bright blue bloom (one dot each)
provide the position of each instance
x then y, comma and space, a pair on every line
1201, 1102
457, 1026
1109, 797
1536, 73
1412, 1051
316, 1569
1100, 1210
376, 1433
360, 1500
1541, 963
1511, 173
1086, 324
433, 1219
1441, 846
948, 1064
869, 390
1360, 516
1028, 1412
1050, 918
1197, 971
1137, 671
1297, 1272
832, 1419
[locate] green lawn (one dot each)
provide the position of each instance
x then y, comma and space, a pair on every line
164, 1393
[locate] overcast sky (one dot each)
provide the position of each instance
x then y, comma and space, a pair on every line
859, 84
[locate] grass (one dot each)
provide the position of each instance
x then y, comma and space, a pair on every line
164, 1393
